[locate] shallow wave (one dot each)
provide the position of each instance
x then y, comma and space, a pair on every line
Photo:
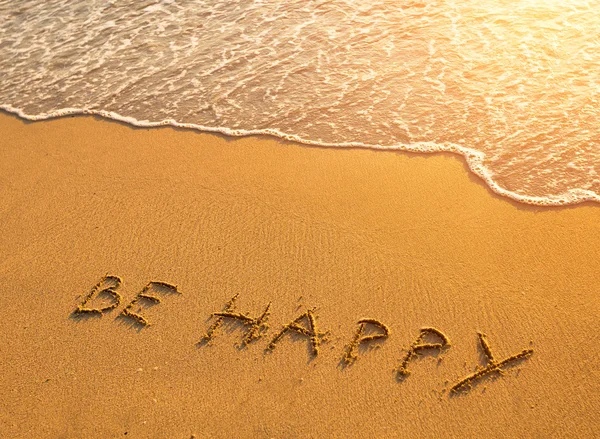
511, 85
474, 159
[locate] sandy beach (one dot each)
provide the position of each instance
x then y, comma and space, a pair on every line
410, 240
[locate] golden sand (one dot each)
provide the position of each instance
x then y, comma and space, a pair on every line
327, 237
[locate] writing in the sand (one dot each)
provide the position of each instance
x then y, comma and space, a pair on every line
368, 330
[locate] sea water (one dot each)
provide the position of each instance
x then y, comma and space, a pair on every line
512, 85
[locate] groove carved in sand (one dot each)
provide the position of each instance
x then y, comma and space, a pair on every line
145, 296
420, 346
111, 284
351, 353
310, 331
492, 366
304, 325
257, 325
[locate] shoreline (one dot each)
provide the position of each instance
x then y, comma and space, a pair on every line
411, 241
473, 159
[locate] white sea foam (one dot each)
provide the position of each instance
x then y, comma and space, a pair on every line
513, 86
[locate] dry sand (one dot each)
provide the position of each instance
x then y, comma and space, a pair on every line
410, 240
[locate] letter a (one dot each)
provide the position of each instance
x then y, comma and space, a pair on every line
310, 331
110, 284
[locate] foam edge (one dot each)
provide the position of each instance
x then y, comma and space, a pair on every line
473, 158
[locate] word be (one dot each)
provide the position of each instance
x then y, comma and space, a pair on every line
108, 287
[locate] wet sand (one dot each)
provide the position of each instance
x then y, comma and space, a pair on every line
410, 240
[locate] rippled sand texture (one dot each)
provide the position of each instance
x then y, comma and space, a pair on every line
512, 85
406, 239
